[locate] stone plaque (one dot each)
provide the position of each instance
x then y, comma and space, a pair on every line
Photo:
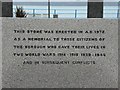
59, 53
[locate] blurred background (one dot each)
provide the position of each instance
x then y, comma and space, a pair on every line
64, 8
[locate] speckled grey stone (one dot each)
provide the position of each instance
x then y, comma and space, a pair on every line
104, 74
0, 53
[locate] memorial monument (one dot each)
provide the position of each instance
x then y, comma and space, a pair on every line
58, 53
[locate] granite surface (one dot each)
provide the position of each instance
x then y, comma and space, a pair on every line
0, 52
103, 74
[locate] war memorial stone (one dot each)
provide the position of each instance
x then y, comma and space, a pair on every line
59, 54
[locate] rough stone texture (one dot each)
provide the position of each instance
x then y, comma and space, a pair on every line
0, 53
95, 9
119, 52
104, 74
7, 9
